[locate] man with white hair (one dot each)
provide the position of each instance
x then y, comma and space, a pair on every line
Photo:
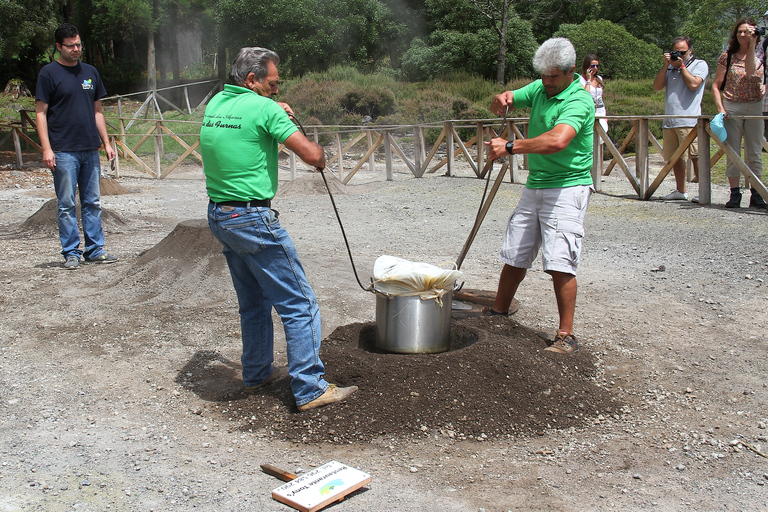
551, 211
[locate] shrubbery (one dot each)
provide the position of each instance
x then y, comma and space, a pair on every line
621, 54
449, 51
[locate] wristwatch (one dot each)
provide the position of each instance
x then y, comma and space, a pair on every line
510, 146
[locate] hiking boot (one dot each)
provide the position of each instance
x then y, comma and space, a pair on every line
757, 201
332, 395
277, 374
104, 258
72, 263
676, 196
735, 200
564, 344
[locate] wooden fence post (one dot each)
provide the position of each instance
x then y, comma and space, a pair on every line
371, 159
596, 153
449, 148
705, 178
641, 155
417, 151
158, 147
388, 154
340, 149
17, 146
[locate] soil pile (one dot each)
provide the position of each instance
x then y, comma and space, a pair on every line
187, 266
495, 382
45, 220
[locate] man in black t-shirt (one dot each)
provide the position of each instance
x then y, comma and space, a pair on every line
71, 127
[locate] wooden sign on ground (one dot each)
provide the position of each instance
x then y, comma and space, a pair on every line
320, 487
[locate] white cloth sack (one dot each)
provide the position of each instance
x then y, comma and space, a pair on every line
396, 276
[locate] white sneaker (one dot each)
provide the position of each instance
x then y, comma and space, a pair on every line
676, 196
695, 199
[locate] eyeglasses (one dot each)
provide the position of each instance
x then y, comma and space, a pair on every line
683, 52
72, 46
594, 66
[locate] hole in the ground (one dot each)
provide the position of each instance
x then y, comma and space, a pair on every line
461, 337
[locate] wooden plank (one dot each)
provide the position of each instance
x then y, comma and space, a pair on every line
481, 216
402, 156
373, 147
17, 147
682, 148
214, 90
190, 149
138, 112
178, 109
705, 179
28, 139
433, 151
621, 150
144, 138
388, 155
182, 142
464, 150
617, 156
130, 153
641, 155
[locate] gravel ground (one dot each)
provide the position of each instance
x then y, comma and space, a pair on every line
95, 413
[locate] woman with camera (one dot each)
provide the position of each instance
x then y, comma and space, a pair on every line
593, 83
738, 91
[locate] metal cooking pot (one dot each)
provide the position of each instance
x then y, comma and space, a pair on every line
406, 324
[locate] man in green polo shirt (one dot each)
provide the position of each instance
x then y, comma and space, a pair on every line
551, 211
238, 141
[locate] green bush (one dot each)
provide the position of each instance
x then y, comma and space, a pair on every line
449, 51
373, 102
621, 54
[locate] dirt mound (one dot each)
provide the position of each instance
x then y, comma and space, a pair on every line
110, 187
46, 219
312, 184
187, 266
495, 382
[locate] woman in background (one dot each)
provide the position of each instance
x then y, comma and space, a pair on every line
593, 83
737, 91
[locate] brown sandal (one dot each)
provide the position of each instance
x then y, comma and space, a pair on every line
489, 311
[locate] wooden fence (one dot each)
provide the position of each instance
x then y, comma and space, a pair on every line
350, 148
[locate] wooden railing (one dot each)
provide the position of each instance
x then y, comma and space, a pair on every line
365, 141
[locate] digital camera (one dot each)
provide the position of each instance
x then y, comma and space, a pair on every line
675, 55
760, 31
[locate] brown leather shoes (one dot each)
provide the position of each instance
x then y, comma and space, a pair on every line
332, 395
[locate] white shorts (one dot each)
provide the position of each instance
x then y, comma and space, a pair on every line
550, 218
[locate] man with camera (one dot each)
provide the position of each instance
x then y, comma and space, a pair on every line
684, 77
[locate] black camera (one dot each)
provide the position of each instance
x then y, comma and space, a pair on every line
760, 31
675, 55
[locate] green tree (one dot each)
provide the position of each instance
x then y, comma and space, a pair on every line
654, 22
621, 54
711, 22
311, 35
26, 32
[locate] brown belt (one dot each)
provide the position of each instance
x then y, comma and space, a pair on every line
255, 203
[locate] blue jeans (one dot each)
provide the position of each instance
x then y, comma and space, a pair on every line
79, 169
266, 273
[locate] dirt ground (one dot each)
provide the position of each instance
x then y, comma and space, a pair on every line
120, 386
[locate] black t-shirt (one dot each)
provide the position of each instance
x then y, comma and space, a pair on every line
70, 92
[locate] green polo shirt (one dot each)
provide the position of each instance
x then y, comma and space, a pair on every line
575, 107
238, 143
